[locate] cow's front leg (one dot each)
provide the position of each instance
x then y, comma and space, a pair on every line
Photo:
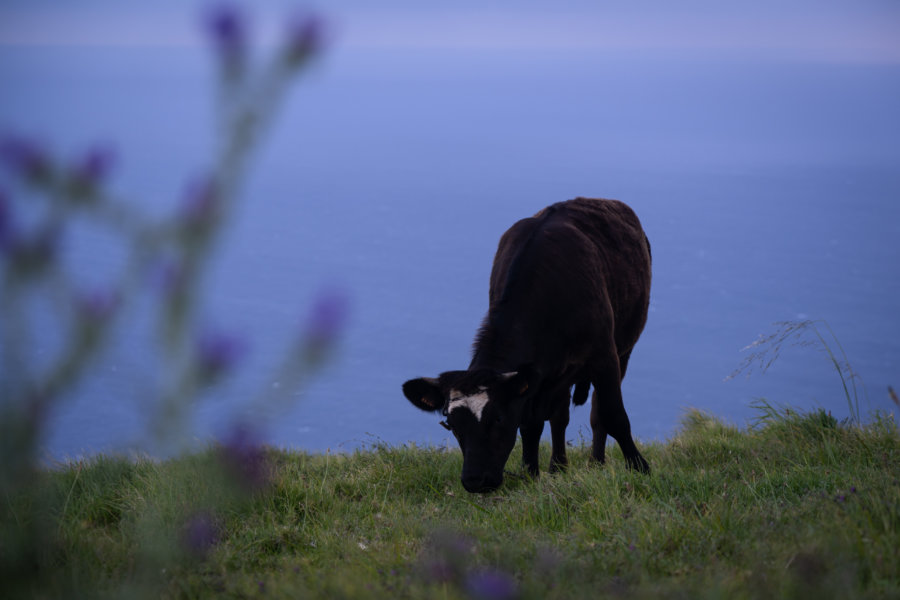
598, 446
531, 443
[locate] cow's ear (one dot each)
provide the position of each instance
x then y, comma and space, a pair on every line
521, 382
424, 393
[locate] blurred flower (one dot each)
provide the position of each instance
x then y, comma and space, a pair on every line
30, 256
447, 557
227, 27
304, 39
325, 323
97, 306
245, 459
492, 585
441, 571
26, 158
90, 171
200, 534
201, 209
6, 226
329, 314
167, 277
217, 353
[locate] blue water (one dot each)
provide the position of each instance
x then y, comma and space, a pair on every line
770, 191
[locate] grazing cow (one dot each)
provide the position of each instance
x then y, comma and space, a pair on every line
569, 293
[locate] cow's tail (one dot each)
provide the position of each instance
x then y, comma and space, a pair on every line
580, 395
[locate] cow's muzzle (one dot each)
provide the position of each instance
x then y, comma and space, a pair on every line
482, 484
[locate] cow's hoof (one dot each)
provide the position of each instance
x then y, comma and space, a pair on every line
639, 464
558, 467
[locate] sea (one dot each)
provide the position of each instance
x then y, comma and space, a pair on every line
769, 189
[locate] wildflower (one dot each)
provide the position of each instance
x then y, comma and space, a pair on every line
304, 39
217, 353
168, 277
325, 323
97, 306
201, 209
30, 256
26, 159
200, 534
491, 585
244, 458
447, 557
6, 226
227, 27
90, 171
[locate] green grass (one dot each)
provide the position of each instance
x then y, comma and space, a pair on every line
799, 505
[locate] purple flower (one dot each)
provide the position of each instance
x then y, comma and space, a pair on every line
440, 571
328, 315
245, 459
26, 158
491, 585
6, 224
217, 353
30, 256
227, 27
90, 171
304, 39
202, 207
97, 306
167, 277
325, 323
199, 534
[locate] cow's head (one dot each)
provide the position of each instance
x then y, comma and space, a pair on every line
483, 408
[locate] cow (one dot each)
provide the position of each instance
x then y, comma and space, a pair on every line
569, 294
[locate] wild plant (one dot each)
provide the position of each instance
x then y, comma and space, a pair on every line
56, 328
806, 333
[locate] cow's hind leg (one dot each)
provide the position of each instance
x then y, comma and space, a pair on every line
608, 416
558, 423
531, 442
598, 447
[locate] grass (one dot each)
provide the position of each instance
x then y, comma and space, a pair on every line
797, 505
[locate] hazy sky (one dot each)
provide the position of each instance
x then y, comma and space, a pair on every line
828, 30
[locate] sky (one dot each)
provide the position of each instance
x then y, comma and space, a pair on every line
823, 30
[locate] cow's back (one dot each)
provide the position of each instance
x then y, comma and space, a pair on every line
570, 274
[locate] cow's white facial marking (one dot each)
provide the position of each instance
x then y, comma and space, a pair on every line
475, 403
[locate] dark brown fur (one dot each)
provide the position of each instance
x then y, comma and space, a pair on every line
569, 295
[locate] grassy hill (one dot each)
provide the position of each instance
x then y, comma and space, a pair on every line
798, 505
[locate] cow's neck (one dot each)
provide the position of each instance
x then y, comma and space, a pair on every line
501, 344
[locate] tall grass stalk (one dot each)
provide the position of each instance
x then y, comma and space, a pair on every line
767, 349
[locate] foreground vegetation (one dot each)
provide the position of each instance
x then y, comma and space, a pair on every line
794, 506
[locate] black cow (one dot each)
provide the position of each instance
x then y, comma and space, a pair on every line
570, 289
